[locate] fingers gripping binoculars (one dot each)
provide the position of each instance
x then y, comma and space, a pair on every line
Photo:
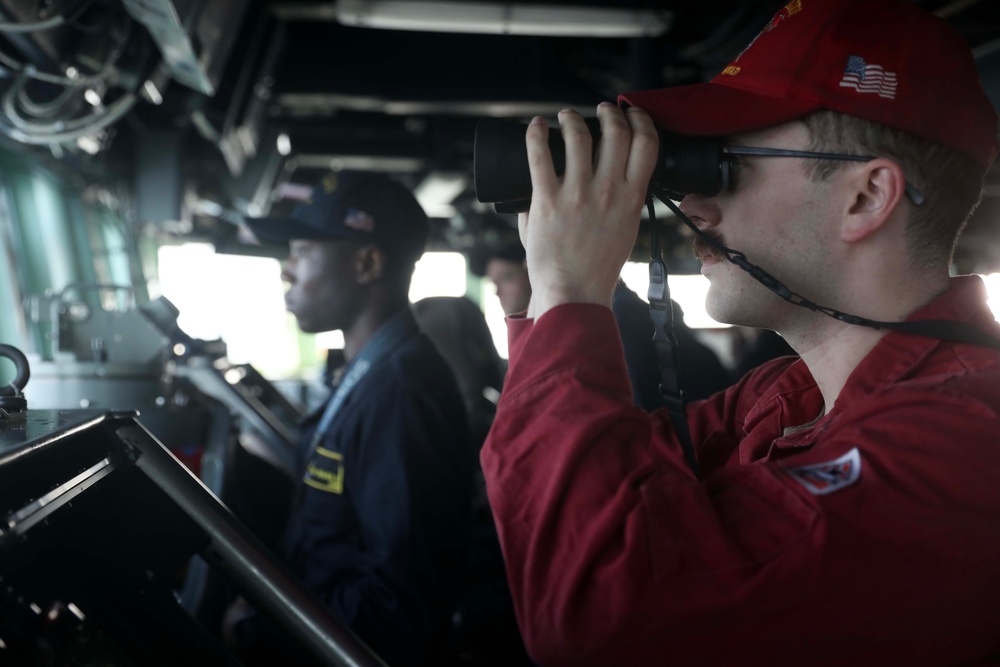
502, 178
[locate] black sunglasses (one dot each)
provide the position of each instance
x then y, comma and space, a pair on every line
915, 195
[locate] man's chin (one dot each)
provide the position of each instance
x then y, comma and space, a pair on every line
719, 309
304, 324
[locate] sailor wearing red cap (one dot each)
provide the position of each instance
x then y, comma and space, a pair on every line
848, 503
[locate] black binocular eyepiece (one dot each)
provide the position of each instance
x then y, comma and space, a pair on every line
502, 178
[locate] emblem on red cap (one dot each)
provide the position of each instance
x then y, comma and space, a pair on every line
791, 9
867, 78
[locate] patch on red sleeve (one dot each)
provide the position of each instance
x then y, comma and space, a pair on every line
823, 478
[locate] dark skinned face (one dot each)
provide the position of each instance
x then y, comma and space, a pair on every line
323, 292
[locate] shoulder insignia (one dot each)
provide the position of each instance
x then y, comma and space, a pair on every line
823, 478
326, 471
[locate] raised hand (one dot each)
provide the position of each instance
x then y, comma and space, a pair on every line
581, 226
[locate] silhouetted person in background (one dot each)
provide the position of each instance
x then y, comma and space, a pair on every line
458, 329
503, 263
486, 632
700, 371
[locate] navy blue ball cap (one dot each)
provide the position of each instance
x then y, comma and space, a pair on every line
353, 205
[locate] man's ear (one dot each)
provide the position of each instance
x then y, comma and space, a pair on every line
877, 188
369, 264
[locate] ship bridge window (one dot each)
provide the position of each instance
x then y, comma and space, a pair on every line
241, 300
992, 281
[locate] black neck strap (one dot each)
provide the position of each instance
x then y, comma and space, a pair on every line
662, 314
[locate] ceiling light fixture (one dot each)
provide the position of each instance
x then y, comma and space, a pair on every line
504, 18
284, 144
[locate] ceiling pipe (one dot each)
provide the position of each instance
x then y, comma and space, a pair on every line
502, 18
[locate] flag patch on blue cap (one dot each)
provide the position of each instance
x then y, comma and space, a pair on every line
823, 478
360, 221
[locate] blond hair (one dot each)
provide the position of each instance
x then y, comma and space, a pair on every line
951, 182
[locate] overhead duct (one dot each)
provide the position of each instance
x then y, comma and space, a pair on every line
505, 18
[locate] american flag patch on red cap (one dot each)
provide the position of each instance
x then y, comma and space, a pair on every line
868, 78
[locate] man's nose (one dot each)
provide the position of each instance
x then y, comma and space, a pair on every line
703, 211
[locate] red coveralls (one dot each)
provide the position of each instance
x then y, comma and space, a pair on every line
887, 553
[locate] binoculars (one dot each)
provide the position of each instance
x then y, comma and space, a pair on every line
501, 175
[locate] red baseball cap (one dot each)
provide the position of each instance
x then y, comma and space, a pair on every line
883, 60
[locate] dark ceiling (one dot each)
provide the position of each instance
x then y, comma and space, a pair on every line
334, 95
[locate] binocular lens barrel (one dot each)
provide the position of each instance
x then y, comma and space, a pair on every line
502, 177
500, 160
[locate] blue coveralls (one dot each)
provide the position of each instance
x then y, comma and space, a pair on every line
380, 526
